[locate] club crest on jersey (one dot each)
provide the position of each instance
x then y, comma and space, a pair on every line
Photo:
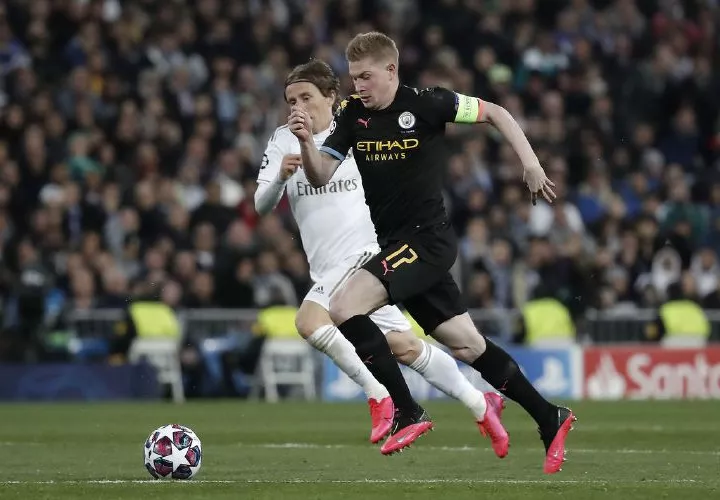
406, 120
333, 124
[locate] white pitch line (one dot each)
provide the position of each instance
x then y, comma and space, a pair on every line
622, 451
350, 481
454, 449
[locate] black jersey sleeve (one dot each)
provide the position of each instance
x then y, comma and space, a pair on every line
339, 141
441, 104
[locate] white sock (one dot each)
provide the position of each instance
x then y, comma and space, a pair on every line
329, 340
440, 369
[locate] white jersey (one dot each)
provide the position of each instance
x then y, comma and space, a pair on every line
334, 220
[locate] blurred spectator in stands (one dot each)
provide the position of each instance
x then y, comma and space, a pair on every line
131, 134
271, 286
32, 283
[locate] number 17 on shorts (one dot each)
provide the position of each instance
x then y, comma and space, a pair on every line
402, 271
398, 257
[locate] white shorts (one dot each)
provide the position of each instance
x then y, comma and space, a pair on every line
387, 318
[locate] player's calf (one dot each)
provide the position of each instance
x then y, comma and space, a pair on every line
313, 323
461, 336
405, 346
374, 351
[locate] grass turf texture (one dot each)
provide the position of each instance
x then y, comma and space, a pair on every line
638, 450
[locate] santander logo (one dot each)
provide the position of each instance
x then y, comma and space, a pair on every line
693, 379
606, 382
652, 373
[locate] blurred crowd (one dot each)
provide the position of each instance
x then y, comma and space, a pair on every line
131, 133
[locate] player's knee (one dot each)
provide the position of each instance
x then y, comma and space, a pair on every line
405, 346
470, 350
304, 325
340, 309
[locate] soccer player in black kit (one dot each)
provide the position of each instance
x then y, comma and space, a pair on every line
396, 135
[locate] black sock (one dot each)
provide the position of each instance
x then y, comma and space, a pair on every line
373, 349
502, 372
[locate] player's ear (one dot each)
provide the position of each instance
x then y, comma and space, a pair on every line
392, 69
331, 98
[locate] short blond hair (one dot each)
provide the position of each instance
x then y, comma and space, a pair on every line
375, 45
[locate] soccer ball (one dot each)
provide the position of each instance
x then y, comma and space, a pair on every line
172, 451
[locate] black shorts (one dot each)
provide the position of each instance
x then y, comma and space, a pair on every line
415, 272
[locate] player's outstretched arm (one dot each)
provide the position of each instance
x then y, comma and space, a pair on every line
533, 173
319, 166
459, 108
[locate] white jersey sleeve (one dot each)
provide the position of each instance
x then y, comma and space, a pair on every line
270, 186
277, 147
334, 220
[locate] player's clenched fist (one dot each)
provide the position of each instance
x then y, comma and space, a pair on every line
290, 163
300, 123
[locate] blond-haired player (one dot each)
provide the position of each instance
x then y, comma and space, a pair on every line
339, 238
396, 135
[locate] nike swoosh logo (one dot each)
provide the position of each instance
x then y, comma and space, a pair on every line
402, 439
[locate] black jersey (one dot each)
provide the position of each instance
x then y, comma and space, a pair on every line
399, 152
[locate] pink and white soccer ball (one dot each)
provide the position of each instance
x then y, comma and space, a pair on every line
173, 452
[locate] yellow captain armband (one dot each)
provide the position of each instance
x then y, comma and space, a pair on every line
469, 109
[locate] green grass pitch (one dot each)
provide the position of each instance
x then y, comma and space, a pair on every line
634, 450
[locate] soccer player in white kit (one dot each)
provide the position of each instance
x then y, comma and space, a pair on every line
338, 237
